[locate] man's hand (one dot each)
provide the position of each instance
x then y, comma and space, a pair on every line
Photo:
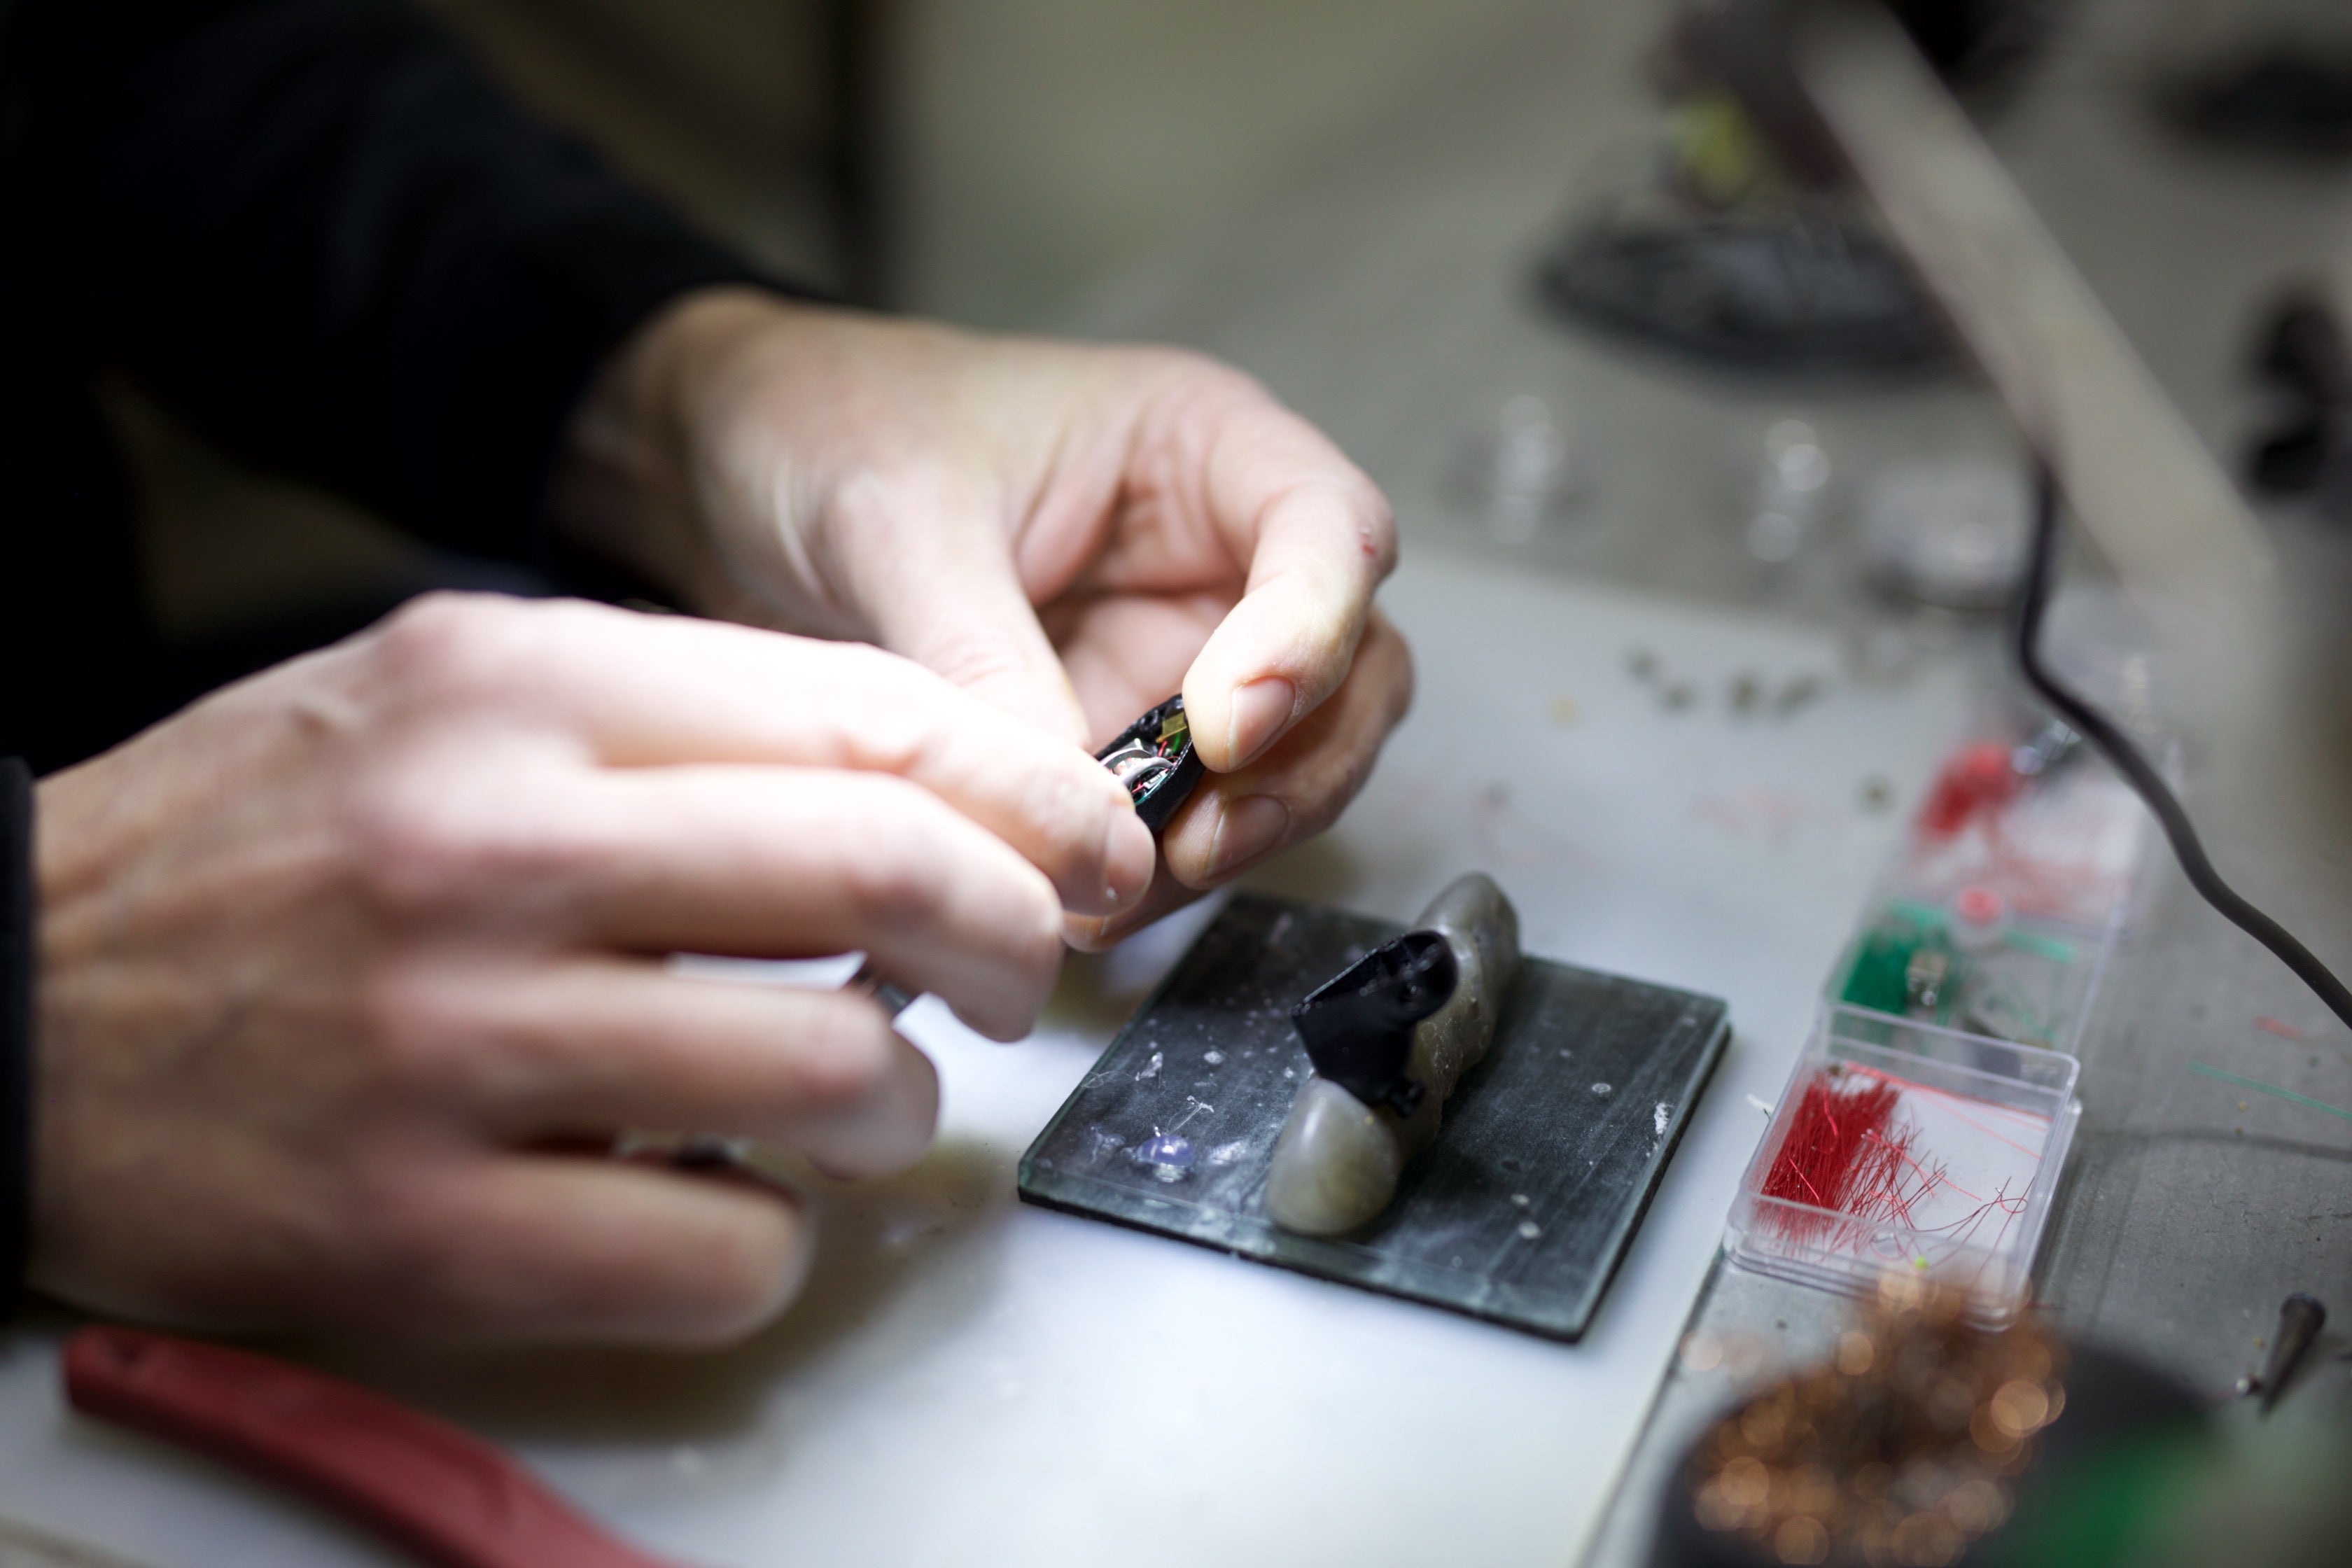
1071, 533
351, 972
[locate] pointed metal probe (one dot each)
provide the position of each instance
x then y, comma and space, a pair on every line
2301, 1318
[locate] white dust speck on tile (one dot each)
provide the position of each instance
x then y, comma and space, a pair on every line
1151, 1070
1600, 1089
1226, 1153
1214, 1058
1290, 1072
1530, 1230
1521, 1199
1658, 1118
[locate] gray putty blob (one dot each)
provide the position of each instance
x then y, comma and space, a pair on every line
1337, 1162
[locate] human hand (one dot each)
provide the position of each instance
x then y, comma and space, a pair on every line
351, 973
1071, 533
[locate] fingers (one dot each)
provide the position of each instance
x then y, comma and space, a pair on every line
1125, 652
593, 1046
1293, 792
803, 862
646, 691
939, 580
1318, 539
550, 1248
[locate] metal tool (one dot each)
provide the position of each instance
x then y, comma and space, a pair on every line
895, 999
2301, 1318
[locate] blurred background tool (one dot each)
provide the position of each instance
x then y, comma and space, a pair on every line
449, 1497
2301, 1318
1924, 1440
1840, 91
1719, 254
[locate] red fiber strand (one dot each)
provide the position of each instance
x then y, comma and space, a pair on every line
2283, 1030
1840, 1154
1952, 1103
1854, 1169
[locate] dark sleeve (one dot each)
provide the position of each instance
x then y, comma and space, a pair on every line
317, 230
16, 960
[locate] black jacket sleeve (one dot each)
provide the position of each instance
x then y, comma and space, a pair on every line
318, 231
16, 958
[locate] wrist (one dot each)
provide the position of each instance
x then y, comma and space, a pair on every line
653, 474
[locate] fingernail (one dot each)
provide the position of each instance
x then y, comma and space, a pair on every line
1129, 856
1260, 710
1249, 827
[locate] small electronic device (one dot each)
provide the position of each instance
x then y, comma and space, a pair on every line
1153, 757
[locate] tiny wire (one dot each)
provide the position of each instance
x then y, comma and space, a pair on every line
2143, 779
2258, 1085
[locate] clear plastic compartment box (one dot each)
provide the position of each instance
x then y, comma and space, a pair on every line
1978, 1138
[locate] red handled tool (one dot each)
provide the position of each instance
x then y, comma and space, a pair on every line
450, 1498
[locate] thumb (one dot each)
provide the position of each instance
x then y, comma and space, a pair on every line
950, 598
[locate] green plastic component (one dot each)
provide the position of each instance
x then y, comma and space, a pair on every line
1877, 979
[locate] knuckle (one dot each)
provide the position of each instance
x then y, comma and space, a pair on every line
410, 1237
405, 1029
1067, 812
849, 1058
971, 655
416, 852
886, 713
424, 843
1205, 375
891, 867
446, 643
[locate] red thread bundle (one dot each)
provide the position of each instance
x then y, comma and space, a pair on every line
1841, 1154
1977, 781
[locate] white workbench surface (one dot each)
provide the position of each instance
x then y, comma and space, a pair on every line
971, 1382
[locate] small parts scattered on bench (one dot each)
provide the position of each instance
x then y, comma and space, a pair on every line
1389, 1037
1153, 757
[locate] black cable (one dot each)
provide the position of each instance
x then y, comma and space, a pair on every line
2094, 727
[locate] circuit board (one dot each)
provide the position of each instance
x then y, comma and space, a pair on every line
2033, 985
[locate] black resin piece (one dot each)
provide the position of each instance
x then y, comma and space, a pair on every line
1521, 1211
1358, 1026
1153, 757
